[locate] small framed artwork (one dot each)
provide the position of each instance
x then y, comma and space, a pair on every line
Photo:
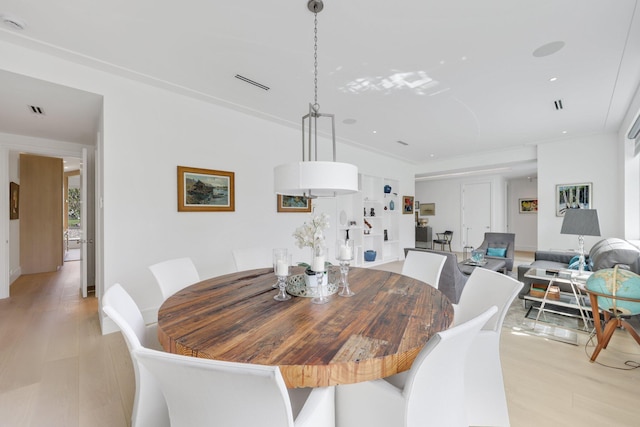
427, 209
293, 203
14, 201
205, 190
407, 205
416, 206
528, 205
573, 196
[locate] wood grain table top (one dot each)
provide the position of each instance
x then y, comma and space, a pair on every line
374, 334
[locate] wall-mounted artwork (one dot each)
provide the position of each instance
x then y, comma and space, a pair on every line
573, 196
205, 190
407, 204
293, 203
528, 205
427, 209
14, 201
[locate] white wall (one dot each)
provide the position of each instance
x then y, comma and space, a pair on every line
591, 159
524, 225
148, 132
14, 225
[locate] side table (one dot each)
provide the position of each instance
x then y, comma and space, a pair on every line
576, 299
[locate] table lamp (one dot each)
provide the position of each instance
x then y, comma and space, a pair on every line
581, 222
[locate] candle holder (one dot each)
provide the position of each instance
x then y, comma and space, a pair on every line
282, 264
278, 253
318, 266
344, 255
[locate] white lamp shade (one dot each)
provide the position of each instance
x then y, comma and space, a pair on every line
316, 179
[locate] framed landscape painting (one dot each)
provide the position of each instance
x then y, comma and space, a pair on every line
573, 196
293, 203
205, 190
528, 205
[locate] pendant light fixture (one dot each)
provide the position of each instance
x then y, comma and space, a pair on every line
311, 177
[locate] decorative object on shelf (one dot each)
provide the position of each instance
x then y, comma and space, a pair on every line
365, 212
386, 236
372, 212
422, 222
281, 266
407, 207
428, 209
581, 222
312, 177
527, 206
293, 203
344, 255
392, 205
205, 190
572, 196
387, 189
370, 255
416, 206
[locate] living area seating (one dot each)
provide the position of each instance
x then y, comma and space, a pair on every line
499, 246
452, 280
607, 253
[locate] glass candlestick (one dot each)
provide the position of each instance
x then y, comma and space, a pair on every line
344, 255
318, 266
281, 265
278, 254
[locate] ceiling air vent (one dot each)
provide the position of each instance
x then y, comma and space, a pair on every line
252, 82
402, 142
36, 110
558, 104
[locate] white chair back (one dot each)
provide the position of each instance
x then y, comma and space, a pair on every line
253, 257
149, 406
424, 266
174, 275
202, 392
484, 289
486, 400
441, 361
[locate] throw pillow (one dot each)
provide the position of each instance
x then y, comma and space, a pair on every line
498, 252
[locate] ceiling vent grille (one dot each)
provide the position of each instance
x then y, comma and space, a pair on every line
402, 142
36, 110
252, 82
558, 104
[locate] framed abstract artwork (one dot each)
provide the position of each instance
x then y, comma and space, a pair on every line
14, 201
528, 205
573, 196
407, 204
205, 190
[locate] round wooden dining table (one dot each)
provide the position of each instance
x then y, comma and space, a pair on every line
374, 334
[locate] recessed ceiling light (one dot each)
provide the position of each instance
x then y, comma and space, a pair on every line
12, 22
553, 79
564, 131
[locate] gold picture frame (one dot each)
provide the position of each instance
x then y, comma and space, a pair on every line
293, 203
205, 190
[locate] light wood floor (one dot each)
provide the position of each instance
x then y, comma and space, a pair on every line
56, 369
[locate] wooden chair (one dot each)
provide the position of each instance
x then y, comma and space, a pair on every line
444, 239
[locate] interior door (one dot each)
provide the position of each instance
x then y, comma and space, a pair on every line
83, 224
476, 213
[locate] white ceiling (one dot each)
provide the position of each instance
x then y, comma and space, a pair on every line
449, 78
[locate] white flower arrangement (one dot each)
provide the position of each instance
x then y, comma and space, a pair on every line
311, 233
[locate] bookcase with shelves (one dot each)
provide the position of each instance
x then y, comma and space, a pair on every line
371, 218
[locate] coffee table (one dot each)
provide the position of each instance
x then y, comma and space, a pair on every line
468, 266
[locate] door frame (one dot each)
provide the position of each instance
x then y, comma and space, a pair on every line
30, 146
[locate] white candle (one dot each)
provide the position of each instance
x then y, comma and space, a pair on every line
318, 263
282, 269
345, 252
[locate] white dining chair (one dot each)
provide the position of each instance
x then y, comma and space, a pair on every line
424, 266
252, 257
433, 393
149, 406
484, 390
205, 392
174, 275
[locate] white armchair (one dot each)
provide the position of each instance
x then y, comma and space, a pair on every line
425, 266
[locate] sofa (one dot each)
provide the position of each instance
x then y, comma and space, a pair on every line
604, 254
452, 280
